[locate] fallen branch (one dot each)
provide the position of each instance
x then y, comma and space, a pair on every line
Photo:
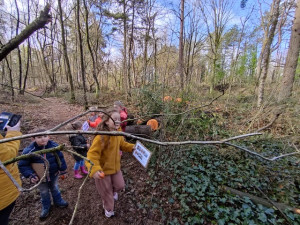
269, 124
259, 200
119, 133
287, 219
5, 85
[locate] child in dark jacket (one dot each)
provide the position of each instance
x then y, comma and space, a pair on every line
33, 167
80, 146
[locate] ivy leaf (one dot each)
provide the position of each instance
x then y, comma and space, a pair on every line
262, 217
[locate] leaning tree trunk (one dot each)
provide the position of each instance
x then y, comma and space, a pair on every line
292, 59
38, 23
65, 52
81, 57
267, 52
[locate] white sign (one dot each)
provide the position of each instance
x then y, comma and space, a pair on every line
85, 126
142, 154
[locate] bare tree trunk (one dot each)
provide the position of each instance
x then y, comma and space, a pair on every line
11, 80
125, 78
90, 49
81, 57
266, 54
28, 52
181, 47
130, 54
68, 68
290, 66
19, 52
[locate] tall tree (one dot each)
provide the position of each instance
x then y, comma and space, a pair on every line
269, 32
291, 62
81, 55
90, 48
19, 51
65, 52
181, 46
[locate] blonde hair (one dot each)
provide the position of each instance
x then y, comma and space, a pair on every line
103, 126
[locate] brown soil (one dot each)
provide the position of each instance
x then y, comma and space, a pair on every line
50, 113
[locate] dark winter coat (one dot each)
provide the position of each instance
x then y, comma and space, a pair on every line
25, 164
79, 144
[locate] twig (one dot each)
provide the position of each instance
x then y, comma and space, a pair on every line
259, 155
2, 165
270, 124
79, 192
46, 172
5, 85
287, 219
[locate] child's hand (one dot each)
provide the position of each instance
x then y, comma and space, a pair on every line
34, 179
99, 175
88, 145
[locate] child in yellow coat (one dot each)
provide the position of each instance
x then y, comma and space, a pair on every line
104, 153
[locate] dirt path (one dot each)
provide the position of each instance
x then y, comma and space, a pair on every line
49, 114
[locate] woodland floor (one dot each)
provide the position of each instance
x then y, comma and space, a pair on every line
49, 113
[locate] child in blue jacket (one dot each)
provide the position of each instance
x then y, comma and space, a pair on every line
33, 167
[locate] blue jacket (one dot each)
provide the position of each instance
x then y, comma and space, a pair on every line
25, 164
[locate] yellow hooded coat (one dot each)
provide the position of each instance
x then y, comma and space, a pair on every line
105, 153
8, 191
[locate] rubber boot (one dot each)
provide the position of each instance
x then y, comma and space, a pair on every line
77, 175
83, 170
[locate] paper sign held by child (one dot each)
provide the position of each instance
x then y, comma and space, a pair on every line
85, 126
142, 154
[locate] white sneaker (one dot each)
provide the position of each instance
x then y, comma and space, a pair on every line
116, 197
109, 214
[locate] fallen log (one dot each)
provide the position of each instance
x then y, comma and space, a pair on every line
139, 130
262, 201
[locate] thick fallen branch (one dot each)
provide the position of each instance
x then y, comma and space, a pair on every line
118, 133
259, 200
5, 85
38, 23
